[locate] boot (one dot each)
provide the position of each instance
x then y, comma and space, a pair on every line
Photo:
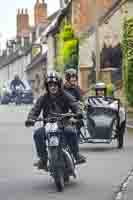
80, 159
42, 164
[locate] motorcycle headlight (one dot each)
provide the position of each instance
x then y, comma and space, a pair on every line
51, 127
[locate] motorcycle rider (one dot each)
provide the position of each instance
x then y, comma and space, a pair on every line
16, 82
71, 84
101, 91
55, 100
72, 87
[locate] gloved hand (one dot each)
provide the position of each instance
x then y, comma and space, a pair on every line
79, 115
29, 122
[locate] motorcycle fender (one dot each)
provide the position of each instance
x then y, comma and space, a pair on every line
69, 160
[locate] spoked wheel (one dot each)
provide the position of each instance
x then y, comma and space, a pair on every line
58, 174
59, 181
18, 101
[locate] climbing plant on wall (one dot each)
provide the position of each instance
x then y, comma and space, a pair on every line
68, 49
128, 58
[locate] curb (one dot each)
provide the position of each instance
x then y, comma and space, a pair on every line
120, 194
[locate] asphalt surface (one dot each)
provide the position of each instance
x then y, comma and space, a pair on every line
99, 179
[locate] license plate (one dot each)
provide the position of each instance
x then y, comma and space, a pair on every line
54, 141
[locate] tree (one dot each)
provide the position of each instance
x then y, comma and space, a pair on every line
128, 58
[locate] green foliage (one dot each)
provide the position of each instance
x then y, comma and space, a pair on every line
68, 49
110, 90
67, 33
128, 58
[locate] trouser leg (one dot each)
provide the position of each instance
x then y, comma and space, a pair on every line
40, 143
72, 140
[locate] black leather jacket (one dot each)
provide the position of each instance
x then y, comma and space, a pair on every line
59, 104
74, 91
15, 83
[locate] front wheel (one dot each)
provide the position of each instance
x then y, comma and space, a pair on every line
57, 171
18, 100
59, 180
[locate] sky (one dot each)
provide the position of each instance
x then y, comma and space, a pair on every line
8, 10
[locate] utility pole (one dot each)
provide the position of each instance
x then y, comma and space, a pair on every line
97, 38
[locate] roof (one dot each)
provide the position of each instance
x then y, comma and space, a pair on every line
52, 16
6, 60
54, 23
38, 59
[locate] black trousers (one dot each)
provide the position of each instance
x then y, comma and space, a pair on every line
40, 141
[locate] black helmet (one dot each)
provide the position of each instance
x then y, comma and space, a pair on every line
53, 77
101, 86
70, 73
16, 76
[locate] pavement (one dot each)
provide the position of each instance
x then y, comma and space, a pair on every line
129, 193
125, 191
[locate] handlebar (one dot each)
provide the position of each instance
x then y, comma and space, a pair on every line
57, 117
53, 118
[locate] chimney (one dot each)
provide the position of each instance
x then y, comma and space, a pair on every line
22, 22
40, 12
61, 4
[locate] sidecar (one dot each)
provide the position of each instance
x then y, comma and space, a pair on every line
101, 121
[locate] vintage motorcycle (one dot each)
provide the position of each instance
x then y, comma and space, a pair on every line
61, 163
19, 96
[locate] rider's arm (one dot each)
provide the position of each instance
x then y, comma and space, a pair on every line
36, 110
12, 84
21, 82
72, 103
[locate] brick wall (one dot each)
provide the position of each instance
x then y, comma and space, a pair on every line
83, 12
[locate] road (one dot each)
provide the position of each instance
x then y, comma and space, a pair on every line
99, 179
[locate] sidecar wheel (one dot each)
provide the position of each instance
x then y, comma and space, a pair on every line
121, 134
120, 141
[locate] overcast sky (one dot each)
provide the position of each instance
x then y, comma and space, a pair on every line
8, 10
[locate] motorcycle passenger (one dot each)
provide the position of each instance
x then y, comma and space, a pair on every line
55, 100
101, 91
71, 84
16, 82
